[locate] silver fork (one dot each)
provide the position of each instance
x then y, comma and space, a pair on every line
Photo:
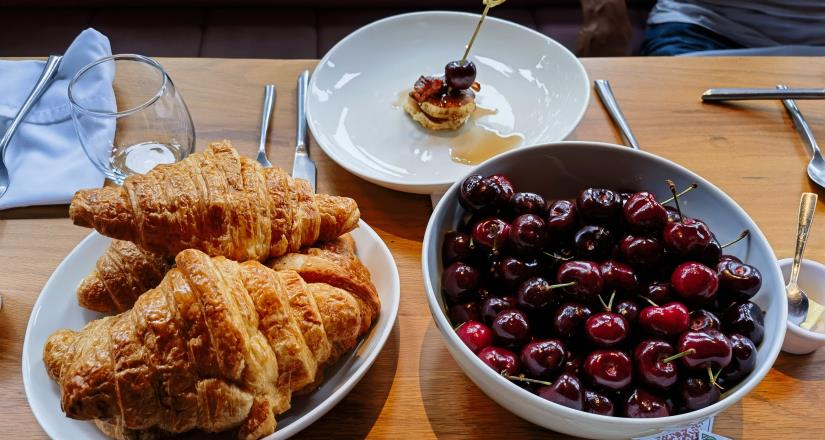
303, 167
42, 84
266, 115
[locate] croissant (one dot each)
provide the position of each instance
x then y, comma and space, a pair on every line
217, 202
123, 273
217, 345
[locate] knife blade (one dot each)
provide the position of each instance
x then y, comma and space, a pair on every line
303, 167
740, 94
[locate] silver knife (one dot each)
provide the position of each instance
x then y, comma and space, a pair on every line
739, 94
303, 167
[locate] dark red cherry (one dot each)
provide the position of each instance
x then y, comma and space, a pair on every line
611, 369
460, 281
527, 203
738, 277
599, 204
456, 246
500, 360
697, 392
491, 307
511, 327
597, 402
702, 319
476, 193
659, 292
503, 190
593, 242
709, 255
587, 276
618, 276
667, 320
542, 358
566, 390
629, 309
727, 257
643, 212
536, 294
709, 348
686, 237
475, 335
463, 312
527, 234
650, 368
511, 271
569, 319
606, 329
742, 363
561, 217
694, 282
641, 251
460, 75
641, 403
491, 234
745, 318
672, 214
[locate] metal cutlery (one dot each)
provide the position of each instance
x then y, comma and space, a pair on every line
46, 78
303, 167
266, 115
612, 106
740, 94
816, 167
798, 302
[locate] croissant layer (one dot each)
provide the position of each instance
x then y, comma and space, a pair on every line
217, 345
217, 202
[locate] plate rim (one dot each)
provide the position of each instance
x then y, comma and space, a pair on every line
426, 187
300, 424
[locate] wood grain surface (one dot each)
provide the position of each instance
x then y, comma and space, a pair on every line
415, 389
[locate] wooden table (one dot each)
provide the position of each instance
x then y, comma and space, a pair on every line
415, 389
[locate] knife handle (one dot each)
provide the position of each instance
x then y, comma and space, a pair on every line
301, 136
745, 94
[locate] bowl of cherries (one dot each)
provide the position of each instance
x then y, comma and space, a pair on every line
600, 291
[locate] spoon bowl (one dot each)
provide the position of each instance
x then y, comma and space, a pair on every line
797, 300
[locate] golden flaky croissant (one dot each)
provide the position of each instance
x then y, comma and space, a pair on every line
217, 202
120, 275
217, 345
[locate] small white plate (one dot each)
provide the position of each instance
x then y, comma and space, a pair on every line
57, 308
538, 87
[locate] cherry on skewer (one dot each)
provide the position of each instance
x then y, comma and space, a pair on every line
461, 74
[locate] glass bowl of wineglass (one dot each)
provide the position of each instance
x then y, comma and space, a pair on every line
138, 123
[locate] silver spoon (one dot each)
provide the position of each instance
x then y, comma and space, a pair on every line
606, 95
266, 115
816, 167
42, 84
797, 300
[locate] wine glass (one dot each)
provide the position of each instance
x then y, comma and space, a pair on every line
137, 123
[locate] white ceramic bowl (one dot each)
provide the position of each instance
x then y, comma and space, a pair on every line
812, 282
561, 170
538, 88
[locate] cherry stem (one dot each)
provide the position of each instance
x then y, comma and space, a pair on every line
672, 187
649, 300
741, 236
606, 307
692, 186
456, 327
557, 286
678, 355
489, 4
713, 378
556, 256
610, 302
525, 379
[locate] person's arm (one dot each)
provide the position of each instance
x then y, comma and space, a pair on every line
605, 29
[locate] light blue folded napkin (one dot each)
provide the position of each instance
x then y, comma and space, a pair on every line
45, 160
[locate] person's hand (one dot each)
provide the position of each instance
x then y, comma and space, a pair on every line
605, 30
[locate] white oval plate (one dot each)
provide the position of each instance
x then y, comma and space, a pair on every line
57, 308
352, 91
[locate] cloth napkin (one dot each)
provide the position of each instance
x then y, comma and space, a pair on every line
45, 160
